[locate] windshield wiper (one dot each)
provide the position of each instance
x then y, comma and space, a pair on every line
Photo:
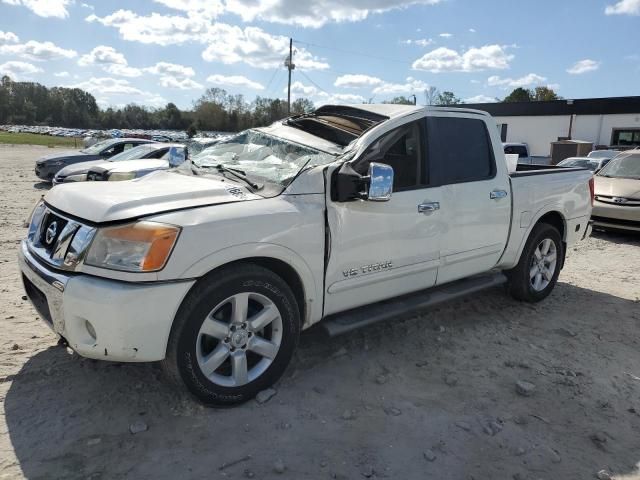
238, 174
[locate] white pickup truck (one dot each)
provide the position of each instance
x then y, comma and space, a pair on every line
348, 215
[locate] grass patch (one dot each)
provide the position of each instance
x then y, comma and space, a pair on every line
36, 139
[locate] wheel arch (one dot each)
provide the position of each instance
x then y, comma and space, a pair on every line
280, 260
551, 215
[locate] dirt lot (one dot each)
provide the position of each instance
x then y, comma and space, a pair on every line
431, 396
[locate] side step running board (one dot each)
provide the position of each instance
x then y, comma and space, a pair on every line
344, 322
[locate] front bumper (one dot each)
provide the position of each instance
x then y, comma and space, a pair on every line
46, 172
616, 216
100, 318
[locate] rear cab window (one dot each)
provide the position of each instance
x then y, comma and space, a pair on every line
459, 150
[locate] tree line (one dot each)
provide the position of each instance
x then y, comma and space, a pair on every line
30, 103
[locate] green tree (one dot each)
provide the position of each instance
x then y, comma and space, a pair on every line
447, 98
401, 100
545, 94
519, 95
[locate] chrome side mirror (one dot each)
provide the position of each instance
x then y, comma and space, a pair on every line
380, 182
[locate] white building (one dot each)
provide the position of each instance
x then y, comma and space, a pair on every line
612, 122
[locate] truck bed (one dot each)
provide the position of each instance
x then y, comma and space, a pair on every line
525, 170
537, 189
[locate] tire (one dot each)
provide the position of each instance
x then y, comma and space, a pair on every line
536, 274
216, 326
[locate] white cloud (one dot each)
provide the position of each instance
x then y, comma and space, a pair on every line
624, 7
110, 60
8, 37
357, 81
315, 13
472, 30
446, 35
154, 28
61, 74
108, 86
18, 70
412, 85
492, 57
480, 99
234, 81
231, 44
171, 69
206, 8
421, 42
33, 50
182, 84
339, 98
44, 8
583, 66
298, 88
526, 81
86, 5
119, 88
225, 43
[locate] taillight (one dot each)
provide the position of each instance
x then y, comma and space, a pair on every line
592, 190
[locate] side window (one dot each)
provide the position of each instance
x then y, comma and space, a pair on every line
401, 149
459, 150
127, 146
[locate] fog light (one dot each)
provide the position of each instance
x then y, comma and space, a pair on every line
90, 330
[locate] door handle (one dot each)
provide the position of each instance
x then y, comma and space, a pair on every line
428, 207
498, 194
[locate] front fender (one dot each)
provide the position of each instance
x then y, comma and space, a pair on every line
247, 251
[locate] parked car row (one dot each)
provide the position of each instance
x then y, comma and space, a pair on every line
158, 135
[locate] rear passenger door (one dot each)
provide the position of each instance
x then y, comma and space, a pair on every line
475, 191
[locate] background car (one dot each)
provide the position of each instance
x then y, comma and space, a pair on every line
617, 193
78, 171
48, 166
593, 164
118, 171
608, 154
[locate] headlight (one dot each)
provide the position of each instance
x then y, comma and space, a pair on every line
119, 176
138, 247
80, 177
35, 219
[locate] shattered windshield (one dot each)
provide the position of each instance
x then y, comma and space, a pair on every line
258, 154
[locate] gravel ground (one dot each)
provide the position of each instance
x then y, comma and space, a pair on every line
434, 395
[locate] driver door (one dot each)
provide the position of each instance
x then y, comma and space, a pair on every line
380, 250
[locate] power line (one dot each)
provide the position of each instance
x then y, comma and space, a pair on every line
314, 83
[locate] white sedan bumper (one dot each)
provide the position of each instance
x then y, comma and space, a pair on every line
100, 318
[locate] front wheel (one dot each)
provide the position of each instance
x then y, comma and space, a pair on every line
537, 271
234, 335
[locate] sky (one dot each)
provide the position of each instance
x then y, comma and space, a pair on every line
151, 52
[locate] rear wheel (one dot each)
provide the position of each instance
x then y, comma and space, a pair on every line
537, 271
234, 335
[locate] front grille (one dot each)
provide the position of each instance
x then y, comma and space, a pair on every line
57, 240
618, 201
52, 227
38, 299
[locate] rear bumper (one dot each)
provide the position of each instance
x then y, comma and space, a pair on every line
104, 319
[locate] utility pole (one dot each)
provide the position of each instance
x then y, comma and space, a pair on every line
290, 66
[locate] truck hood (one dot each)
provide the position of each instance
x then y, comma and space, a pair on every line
617, 187
157, 192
